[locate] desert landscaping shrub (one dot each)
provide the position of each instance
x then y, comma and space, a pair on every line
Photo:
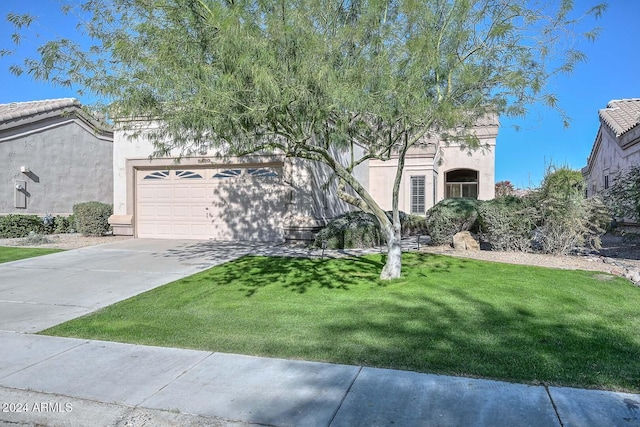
413, 225
623, 196
13, 226
567, 219
91, 218
62, 224
72, 224
351, 230
362, 230
35, 239
507, 223
449, 217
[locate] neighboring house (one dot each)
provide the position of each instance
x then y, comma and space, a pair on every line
52, 156
273, 198
616, 146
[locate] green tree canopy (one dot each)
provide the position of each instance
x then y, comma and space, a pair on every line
313, 77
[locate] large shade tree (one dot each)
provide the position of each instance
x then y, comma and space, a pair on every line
314, 78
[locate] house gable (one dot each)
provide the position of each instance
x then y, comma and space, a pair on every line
18, 119
615, 147
56, 153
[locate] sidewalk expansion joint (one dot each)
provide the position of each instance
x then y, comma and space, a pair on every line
141, 403
555, 408
43, 360
42, 303
355, 377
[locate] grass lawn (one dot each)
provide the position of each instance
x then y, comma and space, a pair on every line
445, 315
13, 254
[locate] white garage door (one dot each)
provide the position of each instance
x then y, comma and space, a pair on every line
238, 203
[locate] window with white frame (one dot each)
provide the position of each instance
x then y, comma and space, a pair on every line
461, 183
417, 195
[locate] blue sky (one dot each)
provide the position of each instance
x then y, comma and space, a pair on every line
611, 72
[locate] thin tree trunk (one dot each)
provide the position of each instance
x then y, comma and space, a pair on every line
393, 267
390, 228
393, 231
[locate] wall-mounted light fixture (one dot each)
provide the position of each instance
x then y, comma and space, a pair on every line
20, 194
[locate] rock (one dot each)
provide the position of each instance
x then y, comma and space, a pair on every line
464, 241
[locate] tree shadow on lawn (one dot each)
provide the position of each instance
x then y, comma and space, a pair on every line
297, 274
448, 328
301, 274
511, 343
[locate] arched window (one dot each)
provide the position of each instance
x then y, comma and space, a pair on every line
461, 183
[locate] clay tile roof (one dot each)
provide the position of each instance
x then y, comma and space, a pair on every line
17, 110
621, 115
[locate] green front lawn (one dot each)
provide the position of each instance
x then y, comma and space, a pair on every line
446, 315
13, 254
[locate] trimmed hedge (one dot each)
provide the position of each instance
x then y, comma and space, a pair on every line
351, 230
413, 225
92, 218
13, 226
450, 216
20, 225
362, 230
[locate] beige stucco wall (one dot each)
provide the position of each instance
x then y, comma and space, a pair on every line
433, 161
481, 160
310, 188
418, 162
68, 161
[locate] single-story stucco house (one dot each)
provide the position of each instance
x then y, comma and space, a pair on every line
53, 155
616, 146
274, 198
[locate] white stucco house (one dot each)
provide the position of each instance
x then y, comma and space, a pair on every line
616, 146
273, 198
53, 155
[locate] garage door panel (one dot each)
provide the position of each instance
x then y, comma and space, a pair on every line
184, 212
197, 193
146, 193
185, 193
237, 207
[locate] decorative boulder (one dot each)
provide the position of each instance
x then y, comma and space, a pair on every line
464, 241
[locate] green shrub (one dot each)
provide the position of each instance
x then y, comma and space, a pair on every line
351, 230
362, 230
507, 223
414, 224
623, 197
91, 218
12, 226
449, 217
62, 224
73, 227
567, 220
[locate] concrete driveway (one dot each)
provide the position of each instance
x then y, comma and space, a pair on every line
41, 292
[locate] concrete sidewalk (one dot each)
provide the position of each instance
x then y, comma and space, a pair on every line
63, 381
